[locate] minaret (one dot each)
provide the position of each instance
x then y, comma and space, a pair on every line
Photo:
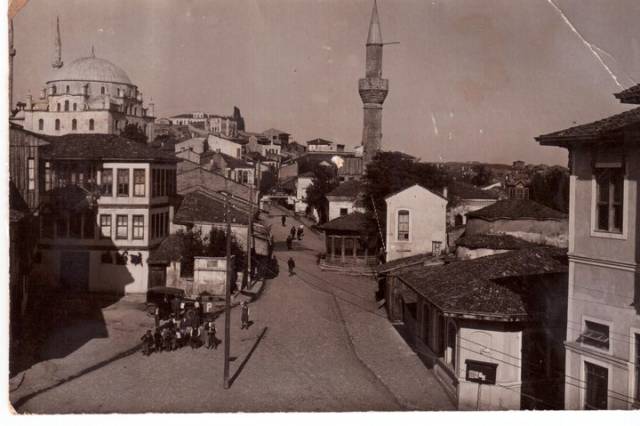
373, 90
57, 61
12, 53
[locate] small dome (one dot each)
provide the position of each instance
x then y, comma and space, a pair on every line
92, 69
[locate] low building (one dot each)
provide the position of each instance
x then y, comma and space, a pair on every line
464, 198
524, 219
345, 199
234, 168
217, 124
489, 327
416, 223
302, 182
350, 241
479, 245
324, 145
230, 147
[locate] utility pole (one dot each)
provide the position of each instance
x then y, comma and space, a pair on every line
247, 271
227, 295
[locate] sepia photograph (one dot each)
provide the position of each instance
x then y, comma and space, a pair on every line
322, 206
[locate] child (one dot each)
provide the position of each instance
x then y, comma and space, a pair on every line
212, 342
292, 264
244, 316
157, 340
147, 341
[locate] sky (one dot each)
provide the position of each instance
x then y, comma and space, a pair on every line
470, 80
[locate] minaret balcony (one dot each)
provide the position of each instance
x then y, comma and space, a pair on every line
373, 90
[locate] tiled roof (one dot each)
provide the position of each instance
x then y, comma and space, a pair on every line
517, 209
630, 96
403, 263
198, 207
490, 285
232, 162
104, 147
356, 222
273, 131
466, 191
350, 188
493, 241
594, 130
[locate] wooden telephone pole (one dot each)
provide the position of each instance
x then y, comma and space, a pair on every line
247, 271
227, 295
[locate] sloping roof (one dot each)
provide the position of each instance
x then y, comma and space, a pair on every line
356, 222
405, 262
273, 131
630, 96
517, 209
595, 130
490, 285
411, 186
198, 207
350, 188
466, 191
493, 241
319, 141
233, 162
106, 147
170, 249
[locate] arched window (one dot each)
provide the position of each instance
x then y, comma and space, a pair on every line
41, 124
91, 124
403, 225
66, 105
102, 90
452, 331
57, 124
67, 89
53, 90
75, 106
74, 124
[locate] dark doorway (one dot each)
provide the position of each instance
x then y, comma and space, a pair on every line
74, 270
157, 276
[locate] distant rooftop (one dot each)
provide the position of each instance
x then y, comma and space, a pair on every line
517, 209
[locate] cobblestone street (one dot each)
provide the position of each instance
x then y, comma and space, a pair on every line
318, 343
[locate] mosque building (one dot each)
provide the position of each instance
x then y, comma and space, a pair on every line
89, 95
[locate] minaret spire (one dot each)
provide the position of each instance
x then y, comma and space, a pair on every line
375, 33
57, 62
373, 90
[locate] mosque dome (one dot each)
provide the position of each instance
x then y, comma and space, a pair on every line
91, 69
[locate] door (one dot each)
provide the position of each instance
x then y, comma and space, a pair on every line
157, 276
74, 270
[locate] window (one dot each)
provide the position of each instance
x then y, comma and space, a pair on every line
89, 226
74, 124
105, 226
138, 227
91, 124
58, 106
67, 89
47, 176
102, 90
123, 182
122, 227
609, 198
597, 382
75, 106
596, 335
403, 225
344, 211
138, 182
41, 124
31, 171
54, 89
107, 182
166, 224
66, 105
57, 124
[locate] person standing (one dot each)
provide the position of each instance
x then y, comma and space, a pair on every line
289, 242
175, 306
156, 315
244, 316
292, 264
147, 342
300, 232
284, 220
212, 342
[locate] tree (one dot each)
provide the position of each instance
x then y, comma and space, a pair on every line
483, 175
325, 180
134, 132
551, 188
213, 245
237, 117
393, 171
